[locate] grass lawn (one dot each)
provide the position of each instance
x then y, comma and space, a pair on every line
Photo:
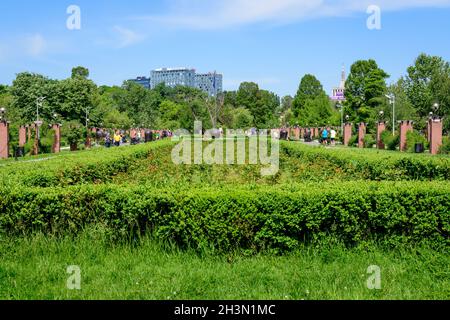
36, 268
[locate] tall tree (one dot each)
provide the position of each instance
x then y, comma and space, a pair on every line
428, 82
364, 89
80, 72
309, 88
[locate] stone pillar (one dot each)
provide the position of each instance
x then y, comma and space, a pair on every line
4, 140
56, 148
361, 134
22, 136
297, 133
29, 128
435, 135
347, 133
381, 127
405, 127
302, 132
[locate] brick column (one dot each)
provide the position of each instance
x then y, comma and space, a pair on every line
56, 148
347, 133
361, 134
405, 127
35, 150
297, 133
381, 126
4, 140
22, 136
435, 135
302, 132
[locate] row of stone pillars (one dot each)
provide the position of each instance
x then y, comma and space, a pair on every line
434, 135
25, 135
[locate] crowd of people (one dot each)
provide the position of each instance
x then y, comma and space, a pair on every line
117, 138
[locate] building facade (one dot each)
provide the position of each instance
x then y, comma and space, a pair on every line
143, 81
173, 77
338, 93
211, 83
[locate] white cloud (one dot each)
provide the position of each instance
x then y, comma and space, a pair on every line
218, 14
35, 45
127, 37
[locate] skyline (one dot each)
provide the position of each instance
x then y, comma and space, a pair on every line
273, 44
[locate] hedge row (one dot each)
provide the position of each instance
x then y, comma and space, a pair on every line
376, 165
94, 166
244, 218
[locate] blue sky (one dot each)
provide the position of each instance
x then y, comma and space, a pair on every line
272, 42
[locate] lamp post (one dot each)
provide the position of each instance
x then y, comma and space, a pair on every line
391, 98
39, 103
339, 105
2, 114
435, 110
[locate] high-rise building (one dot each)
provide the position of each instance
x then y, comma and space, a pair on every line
143, 81
210, 83
173, 77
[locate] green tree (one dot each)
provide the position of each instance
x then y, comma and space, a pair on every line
428, 82
80, 72
365, 89
243, 119
309, 88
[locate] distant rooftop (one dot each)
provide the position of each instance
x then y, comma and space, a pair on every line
174, 69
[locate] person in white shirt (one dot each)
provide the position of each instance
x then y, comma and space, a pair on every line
333, 137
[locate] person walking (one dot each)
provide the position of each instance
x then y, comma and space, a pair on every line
325, 137
333, 137
117, 139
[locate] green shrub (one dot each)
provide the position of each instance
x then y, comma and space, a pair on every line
445, 148
392, 142
413, 138
375, 164
246, 218
369, 141
94, 166
353, 142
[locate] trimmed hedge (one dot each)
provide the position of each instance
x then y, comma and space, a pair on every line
376, 165
244, 218
93, 166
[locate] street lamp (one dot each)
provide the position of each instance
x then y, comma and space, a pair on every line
391, 98
2, 114
39, 102
339, 105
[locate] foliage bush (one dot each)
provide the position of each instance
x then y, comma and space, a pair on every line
353, 142
392, 142
94, 166
369, 141
245, 218
375, 164
445, 148
413, 138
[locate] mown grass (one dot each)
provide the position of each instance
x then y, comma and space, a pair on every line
35, 268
